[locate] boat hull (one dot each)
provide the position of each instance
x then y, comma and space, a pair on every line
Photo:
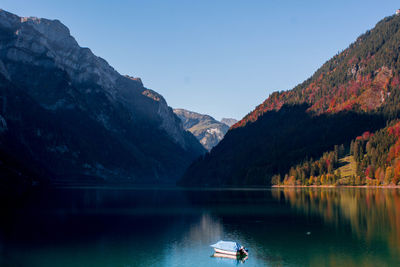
232, 257
233, 253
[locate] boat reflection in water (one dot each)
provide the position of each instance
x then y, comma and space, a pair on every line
237, 258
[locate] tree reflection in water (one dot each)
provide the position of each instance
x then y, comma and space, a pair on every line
372, 213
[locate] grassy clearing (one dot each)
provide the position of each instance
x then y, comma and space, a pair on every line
348, 167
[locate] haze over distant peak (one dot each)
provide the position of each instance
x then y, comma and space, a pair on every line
207, 130
229, 121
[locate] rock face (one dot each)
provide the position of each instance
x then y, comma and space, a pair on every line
72, 116
207, 130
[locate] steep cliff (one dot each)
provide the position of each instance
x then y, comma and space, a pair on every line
70, 115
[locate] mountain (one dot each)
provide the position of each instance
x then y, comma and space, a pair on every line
207, 130
67, 115
355, 91
229, 121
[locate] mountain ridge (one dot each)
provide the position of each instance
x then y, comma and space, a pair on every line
360, 82
352, 69
205, 128
90, 120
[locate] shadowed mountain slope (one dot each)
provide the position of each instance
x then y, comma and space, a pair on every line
67, 115
355, 91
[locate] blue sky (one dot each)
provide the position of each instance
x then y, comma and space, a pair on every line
216, 57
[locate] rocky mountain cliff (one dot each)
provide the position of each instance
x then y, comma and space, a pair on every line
207, 130
357, 90
67, 114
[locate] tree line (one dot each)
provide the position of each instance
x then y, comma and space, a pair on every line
376, 157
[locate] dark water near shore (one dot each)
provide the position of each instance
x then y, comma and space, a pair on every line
171, 227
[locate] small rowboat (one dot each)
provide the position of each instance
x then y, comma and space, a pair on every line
239, 258
229, 248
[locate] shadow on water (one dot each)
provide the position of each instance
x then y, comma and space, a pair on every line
172, 227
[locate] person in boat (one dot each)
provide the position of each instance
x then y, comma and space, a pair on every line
243, 251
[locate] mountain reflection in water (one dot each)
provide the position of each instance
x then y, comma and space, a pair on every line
173, 227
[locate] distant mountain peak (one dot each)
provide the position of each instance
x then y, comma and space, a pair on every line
205, 128
229, 121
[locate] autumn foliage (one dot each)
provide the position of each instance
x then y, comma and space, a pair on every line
361, 78
377, 158
283, 140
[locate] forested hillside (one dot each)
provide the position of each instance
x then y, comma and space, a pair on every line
376, 157
363, 77
354, 92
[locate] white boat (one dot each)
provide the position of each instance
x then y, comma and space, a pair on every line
239, 258
229, 248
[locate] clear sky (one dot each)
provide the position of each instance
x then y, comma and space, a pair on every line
216, 57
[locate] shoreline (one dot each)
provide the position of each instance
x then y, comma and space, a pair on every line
336, 186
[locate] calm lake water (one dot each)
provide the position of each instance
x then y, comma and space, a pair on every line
172, 227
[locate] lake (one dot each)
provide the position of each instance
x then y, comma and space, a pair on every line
96, 226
